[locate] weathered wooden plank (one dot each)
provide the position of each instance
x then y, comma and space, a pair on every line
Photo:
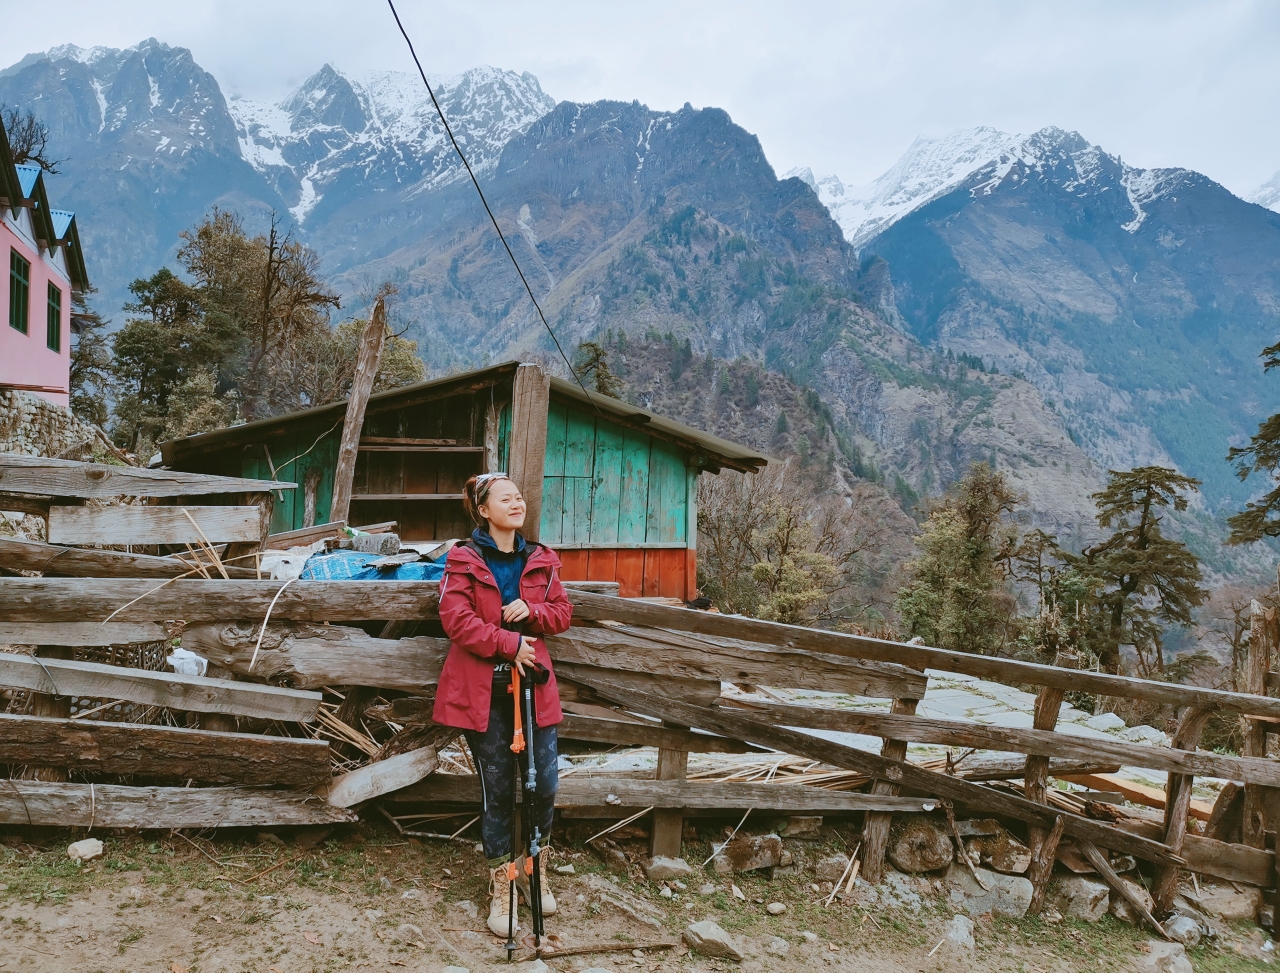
640, 792
370, 353
1177, 804
1137, 793
719, 719
66, 478
55, 560
920, 729
607, 474
1103, 866
666, 827
646, 734
1258, 663
304, 535
875, 832
1011, 671
1219, 859
113, 806
530, 396
1035, 783
67, 678
81, 633
702, 692
153, 525
633, 504
163, 751
382, 777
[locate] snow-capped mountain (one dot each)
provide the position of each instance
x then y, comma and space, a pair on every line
929, 168
382, 130
1268, 194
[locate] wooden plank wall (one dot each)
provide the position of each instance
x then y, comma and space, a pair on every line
617, 505
307, 456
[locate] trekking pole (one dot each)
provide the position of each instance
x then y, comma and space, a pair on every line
517, 745
533, 835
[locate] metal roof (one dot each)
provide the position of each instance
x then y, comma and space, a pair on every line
61, 220
27, 176
710, 451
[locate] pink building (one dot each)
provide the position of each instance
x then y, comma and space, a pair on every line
40, 250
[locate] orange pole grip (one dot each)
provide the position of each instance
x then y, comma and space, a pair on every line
517, 738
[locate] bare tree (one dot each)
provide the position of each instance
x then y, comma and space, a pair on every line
28, 139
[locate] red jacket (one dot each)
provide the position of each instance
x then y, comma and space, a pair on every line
471, 612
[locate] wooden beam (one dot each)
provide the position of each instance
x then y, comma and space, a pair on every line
666, 829
1035, 783
1219, 859
875, 831
1135, 792
163, 751
370, 354
111, 806
1258, 662
920, 729
527, 443
1177, 804
1099, 861
720, 719
382, 777
67, 678
96, 481
81, 633
54, 560
637, 792
153, 525
1011, 671
646, 734
306, 535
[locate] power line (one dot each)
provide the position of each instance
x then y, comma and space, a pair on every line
493, 219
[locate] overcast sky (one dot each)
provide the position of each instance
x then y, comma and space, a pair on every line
839, 87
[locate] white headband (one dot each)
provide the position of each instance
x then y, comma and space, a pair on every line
486, 477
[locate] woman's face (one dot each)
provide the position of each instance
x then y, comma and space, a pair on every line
504, 508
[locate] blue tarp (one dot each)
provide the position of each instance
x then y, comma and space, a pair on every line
343, 565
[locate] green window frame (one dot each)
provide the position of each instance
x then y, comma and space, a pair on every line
53, 333
19, 291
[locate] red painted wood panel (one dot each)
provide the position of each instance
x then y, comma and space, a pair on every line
690, 574
630, 574
652, 568
671, 572
573, 565
602, 565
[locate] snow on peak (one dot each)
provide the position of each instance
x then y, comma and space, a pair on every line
1268, 194
383, 124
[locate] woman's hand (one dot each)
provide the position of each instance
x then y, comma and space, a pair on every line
515, 611
525, 656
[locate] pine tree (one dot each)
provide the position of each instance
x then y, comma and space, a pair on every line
1259, 518
1145, 579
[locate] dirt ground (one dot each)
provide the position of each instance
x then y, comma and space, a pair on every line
365, 898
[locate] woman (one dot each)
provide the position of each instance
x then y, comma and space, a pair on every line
498, 594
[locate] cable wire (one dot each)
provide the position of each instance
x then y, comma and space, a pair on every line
493, 219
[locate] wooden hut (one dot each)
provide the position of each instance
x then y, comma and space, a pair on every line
610, 486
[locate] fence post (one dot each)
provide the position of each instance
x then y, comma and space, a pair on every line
668, 823
1177, 803
1253, 829
1035, 782
875, 833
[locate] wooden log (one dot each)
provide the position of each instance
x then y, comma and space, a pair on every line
666, 829
163, 751
1011, 671
1035, 780
919, 729
1253, 830
55, 560
68, 678
53, 705
1137, 793
304, 536
646, 734
991, 766
1177, 804
875, 832
370, 354
701, 692
1230, 862
719, 719
264, 504
96, 481
1042, 866
1099, 861
112, 806
382, 777
729, 660
81, 633
695, 795
530, 398
1228, 813
152, 525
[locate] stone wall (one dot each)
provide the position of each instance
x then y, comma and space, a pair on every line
34, 426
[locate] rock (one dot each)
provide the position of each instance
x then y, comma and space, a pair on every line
666, 892
456, 969
609, 892
801, 826
467, 906
660, 869
537, 966
1080, 897
1105, 721
1002, 852
748, 853
960, 931
710, 940
1162, 957
831, 869
778, 946
809, 937
609, 853
410, 932
1009, 895
1182, 929
383, 545
918, 844
775, 908
1145, 734
1121, 909
411, 894
565, 870
373, 915
707, 889
896, 891
1227, 903
84, 850
596, 969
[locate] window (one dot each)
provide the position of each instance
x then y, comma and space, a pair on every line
19, 291
54, 332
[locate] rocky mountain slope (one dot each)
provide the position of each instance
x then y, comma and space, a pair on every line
1135, 300
1268, 194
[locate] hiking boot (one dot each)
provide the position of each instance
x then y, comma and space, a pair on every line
499, 902
522, 883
